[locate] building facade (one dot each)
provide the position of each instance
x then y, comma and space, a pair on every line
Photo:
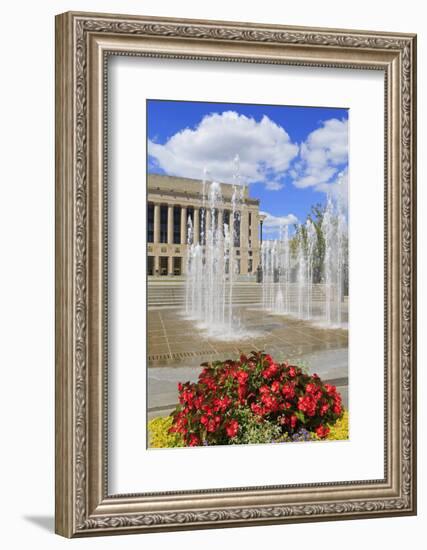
172, 201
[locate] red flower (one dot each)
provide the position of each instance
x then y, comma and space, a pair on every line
232, 427
207, 410
270, 402
193, 440
187, 397
198, 402
221, 403
288, 390
211, 427
180, 424
337, 408
270, 371
241, 393
275, 386
322, 431
307, 404
324, 409
242, 376
257, 409
330, 389
311, 388
275, 393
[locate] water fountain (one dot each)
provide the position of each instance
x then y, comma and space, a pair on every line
291, 284
334, 230
302, 276
212, 262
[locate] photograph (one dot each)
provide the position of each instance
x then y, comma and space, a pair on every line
248, 289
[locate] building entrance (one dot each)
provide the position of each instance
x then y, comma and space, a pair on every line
163, 265
150, 266
177, 266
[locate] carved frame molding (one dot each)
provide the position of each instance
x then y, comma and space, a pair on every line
83, 44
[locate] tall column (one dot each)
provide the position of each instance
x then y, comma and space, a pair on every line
236, 227
256, 250
244, 237
255, 230
196, 225
183, 225
221, 221
156, 223
244, 227
156, 265
208, 221
170, 224
170, 265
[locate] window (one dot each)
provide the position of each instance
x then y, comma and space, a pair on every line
177, 266
237, 229
177, 225
150, 222
202, 225
163, 224
226, 219
150, 265
190, 215
163, 265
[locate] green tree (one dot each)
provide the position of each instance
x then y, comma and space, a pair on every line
316, 217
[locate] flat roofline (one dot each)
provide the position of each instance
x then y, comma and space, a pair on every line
154, 179
194, 180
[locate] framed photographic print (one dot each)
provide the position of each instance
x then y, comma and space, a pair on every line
235, 274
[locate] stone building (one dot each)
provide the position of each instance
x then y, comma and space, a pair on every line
171, 201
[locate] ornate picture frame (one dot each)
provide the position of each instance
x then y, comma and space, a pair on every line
84, 42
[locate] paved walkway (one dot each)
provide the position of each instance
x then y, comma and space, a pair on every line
162, 381
176, 347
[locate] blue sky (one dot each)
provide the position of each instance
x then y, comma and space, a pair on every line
289, 156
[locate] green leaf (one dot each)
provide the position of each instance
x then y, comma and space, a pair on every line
300, 416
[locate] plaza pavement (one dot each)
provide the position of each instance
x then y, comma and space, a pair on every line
177, 347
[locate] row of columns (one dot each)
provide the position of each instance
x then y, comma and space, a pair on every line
183, 223
196, 224
156, 266
170, 227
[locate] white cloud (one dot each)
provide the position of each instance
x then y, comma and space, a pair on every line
274, 185
322, 155
272, 224
264, 148
338, 188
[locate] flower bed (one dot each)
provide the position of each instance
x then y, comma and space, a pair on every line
160, 438
253, 400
